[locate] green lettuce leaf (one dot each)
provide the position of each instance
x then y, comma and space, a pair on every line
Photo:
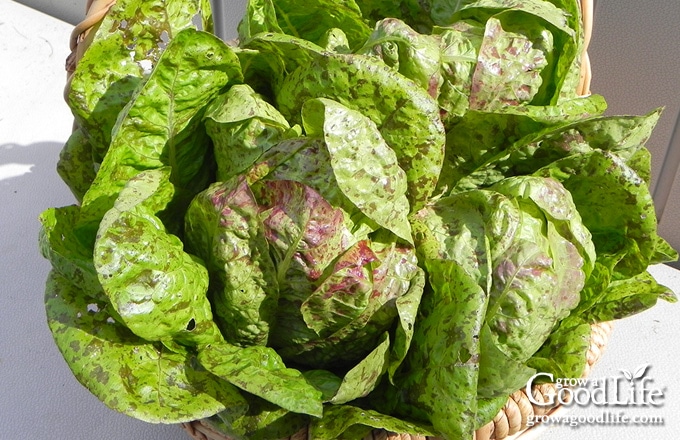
543, 22
407, 307
304, 160
124, 48
623, 135
365, 375
269, 58
459, 48
414, 55
440, 385
242, 126
136, 377
67, 255
222, 226
341, 321
623, 298
312, 21
479, 139
615, 205
76, 164
564, 354
473, 228
377, 186
500, 374
306, 234
158, 290
161, 124
260, 371
536, 282
523, 242
508, 71
262, 420
259, 17
406, 115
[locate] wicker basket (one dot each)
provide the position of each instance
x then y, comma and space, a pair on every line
511, 421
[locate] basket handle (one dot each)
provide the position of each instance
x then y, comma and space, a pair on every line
96, 10
586, 72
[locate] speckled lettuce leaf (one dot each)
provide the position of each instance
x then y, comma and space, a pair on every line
340, 298
411, 12
304, 232
76, 165
537, 280
351, 422
491, 134
365, 375
407, 307
259, 17
339, 333
161, 125
222, 226
123, 49
623, 135
242, 126
560, 211
440, 386
663, 252
315, 328
472, 228
312, 21
487, 409
260, 371
68, 257
269, 57
444, 12
459, 47
556, 23
305, 160
624, 298
564, 354
500, 374
325, 381
568, 58
365, 167
524, 244
615, 205
142, 379
414, 55
508, 71
335, 40
406, 115
495, 134
396, 281
158, 290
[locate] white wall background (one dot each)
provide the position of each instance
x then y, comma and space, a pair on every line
635, 53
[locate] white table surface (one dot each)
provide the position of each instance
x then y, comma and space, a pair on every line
40, 399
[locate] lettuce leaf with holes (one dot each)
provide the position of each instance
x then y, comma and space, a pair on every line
123, 48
